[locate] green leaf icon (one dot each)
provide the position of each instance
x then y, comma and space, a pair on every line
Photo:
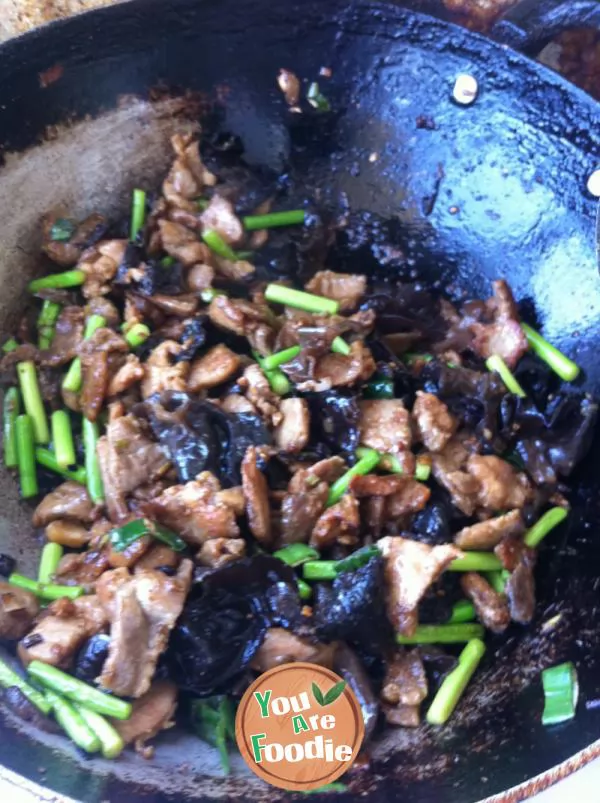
334, 692
318, 694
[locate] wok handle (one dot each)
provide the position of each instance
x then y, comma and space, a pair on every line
531, 24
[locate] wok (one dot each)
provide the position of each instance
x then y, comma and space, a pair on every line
497, 189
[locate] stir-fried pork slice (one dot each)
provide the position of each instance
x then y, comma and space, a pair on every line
100, 264
181, 306
128, 459
95, 354
237, 315
290, 86
504, 335
520, 589
82, 568
233, 498
151, 713
61, 630
128, 557
183, 244
195, 511
218, 551
127, 375
449, 470
411, 498
142, 609
188, 176
488, 534
67, 253
339, 523
491, 607
501, 487
329, 470
434, 423
235, 270
200, 278
220, 216
284, 647
159, 556
18, 609
342, 370
373, 516
105, 308
236, 403
216, 366
405, 716
405, 682
69, 501
161, 373
345, 288
256, 493
68, 335
378, 484
293, 432
259, 394
410, 569
385, 425
302, 505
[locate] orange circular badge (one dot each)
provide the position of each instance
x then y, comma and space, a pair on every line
299, 726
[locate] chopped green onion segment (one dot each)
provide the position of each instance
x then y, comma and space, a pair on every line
296, 554
462, 611
443, 634
304, 590
26, 456
366, 464
95, 486
46, 323
48, 591
122, 537
111, 743
275, 360
138, 213
497, 364
497, 580
319, 570
9, 678
561, 692
279, 294
32, 400
422, 470
213, 719
560, 364
476, 562
455, 683
217, 244
73, 723
79, 692
269, 221
73, 378
317, 99
137, 335
62, 438
69, 278
51, 555
11, 409
357, 559
551, 519
339, 346
10, 345
47, 459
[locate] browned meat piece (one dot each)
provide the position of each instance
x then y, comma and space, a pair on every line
504, 335
233, 498
100, 264
61, 630
341, 370
200, 278
378, 484
68, 253
491, 607
129, 374
95, 355
488, 534
128, 557
18, 609
448, 468
433, 421
216, 366
67, 533
501, 487
195, 511
345, 288
405, 682
259, 394
187, 176
302, 505
410, 569
236, 403
510, 550
256, 493
82, 568
142, 610
520, 589
183, 244
237, 315
329, 470
385, 425
411, 498
340, 523
236, 271
219, 551
102, 306
293, 432
69, 501
128, 459
406, 716
373, 516
161, 374
220, 216
284, 647
405, 461
182, 306
158, 556
290, 86
68, 335
262, 339
152, 713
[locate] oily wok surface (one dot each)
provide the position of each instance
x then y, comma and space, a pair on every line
514, 168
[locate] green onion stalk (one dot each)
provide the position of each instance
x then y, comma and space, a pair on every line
124, 536
73, 723
566, 369
62, 438
111, 743
73, 378
462, 611
476, 562
48, 459
138, 213
10, 679
561, 693
455, 683
269, 221
24, 435
496, 364
279, 294
32, 400
455, 633
70, 278
47, 322
45, 591
218, 245
551, 519
11, 410
10, 345
365, 465
137, 335
51, 555
95, 486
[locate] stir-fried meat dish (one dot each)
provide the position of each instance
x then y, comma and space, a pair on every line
243, 450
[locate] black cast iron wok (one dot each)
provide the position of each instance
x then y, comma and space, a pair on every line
495, 189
